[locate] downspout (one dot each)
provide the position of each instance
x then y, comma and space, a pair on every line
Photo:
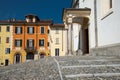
95, 20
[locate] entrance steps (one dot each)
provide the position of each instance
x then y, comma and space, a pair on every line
90, 68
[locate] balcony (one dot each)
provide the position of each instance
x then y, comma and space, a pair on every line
30, 48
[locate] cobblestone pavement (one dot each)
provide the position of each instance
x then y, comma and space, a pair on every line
64, 68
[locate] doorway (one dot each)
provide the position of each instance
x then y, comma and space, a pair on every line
6, 62
30, 56
86, 41
17, 58
42, 55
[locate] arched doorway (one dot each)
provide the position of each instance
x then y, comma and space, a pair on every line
42, 55
17, 58
29, 56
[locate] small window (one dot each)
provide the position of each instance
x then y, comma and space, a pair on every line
57, 52
106, 8
57, 30
42, 30
18, 30
41, 42
7, 40
110, 3
8, 29
48, 31
57, 40
7, 50
48, 43
0, 28
30, 30
0, 39
18, 43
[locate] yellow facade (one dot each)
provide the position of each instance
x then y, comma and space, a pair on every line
57, 40
3, 45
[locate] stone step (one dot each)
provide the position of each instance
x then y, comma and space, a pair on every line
85, 70
96, 76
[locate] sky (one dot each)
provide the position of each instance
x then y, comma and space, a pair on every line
44, 9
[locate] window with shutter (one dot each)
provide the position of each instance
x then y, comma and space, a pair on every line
41, 42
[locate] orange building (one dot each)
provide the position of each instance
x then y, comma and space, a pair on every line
30, 39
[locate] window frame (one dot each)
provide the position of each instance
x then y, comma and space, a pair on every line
57, 41
40, 42
0, 39
42, 30
57, 30
0, 28
8, 29
17, 29
7, 39
106, 11
7, 50
29, 42
28, 30
17, 43
57, 51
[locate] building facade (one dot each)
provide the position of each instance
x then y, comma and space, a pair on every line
57, 40
5, 43
30, 39
97, 24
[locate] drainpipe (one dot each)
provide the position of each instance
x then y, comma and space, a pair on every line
95, 20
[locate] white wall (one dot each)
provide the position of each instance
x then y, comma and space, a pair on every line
109, 27
90, 4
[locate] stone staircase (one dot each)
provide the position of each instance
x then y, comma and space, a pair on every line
90, 68
65, 68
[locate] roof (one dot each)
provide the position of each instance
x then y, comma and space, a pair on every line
12, 22
31, 16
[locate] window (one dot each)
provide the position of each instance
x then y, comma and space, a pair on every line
57, 40
30, 30
110, 4
41, 42
48, 43
0, 28
57, 52
57, 30
106, 7
18, 30
30, 43
48, 31
7, 39
7, 50
42, 30
8, 29
0, 39
18, 43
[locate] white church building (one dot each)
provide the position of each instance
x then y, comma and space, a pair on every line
93, 27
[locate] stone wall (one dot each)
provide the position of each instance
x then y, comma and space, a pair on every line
110, 50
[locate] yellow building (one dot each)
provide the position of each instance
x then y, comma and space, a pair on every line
5, 44
57, 40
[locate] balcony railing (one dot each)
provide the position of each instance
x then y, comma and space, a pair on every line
30, 48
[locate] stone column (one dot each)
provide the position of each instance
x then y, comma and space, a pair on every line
70, 35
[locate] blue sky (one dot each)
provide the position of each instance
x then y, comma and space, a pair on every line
45, 9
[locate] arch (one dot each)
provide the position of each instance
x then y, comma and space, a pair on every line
42, 55
17, 58
30, 56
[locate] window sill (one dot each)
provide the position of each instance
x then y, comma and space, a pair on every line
18, 33
30, 33
57, 43
107, 14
